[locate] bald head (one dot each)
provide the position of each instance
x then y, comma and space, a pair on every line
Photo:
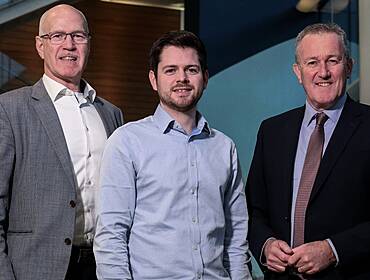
59, 11
64, 60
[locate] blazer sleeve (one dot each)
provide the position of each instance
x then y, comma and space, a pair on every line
7, 159
259, 228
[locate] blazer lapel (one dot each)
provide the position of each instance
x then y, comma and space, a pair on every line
105, 117
346, 126
45, 109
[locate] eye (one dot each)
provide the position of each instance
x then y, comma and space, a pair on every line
333, 61
170, 71
193, 70
312, 63
78, 36
57, 36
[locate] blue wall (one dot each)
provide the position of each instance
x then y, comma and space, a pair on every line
238, 98
250, 48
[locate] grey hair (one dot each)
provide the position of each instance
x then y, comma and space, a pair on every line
320, 28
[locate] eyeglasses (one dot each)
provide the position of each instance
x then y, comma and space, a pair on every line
57, 38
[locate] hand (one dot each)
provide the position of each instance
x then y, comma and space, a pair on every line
277, 253
312, 257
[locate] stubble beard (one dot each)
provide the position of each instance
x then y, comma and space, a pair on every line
178, 106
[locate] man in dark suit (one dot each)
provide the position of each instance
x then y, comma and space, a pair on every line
308, 188
52, 135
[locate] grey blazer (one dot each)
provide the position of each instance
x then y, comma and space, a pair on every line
37, 183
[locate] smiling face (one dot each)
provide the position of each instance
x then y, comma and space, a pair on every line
180, 81
64, 62
322, 69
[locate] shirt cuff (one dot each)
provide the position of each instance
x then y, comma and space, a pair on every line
262, 255
334, 251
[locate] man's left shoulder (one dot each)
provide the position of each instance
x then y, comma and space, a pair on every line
357, 110
221, 136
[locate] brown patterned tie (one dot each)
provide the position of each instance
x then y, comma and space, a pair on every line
309, 171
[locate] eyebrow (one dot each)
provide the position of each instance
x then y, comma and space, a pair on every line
175, 66
327, 56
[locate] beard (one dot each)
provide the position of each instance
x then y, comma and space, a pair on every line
182, 105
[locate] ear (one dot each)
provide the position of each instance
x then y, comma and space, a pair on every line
349, 67
297, 72
153, 80
205, 79
39, 46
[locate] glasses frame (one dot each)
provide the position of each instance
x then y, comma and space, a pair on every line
72, 34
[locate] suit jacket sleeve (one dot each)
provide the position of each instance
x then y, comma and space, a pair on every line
7, 159
259, 228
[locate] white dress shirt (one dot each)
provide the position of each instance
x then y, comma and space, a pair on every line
85, 136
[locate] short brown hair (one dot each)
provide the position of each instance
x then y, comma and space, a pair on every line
182, 39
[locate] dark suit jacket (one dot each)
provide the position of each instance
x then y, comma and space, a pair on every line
37, 183
339, 206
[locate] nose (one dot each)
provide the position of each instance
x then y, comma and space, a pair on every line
69, 43
324, 71
182, 76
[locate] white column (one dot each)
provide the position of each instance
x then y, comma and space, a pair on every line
364, 48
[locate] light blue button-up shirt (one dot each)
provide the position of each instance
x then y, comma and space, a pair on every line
172, 205
307, 127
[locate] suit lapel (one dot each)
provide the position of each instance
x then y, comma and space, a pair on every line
48, 116
105, 117
346, 126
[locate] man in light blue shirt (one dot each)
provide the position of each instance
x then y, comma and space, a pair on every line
172, 202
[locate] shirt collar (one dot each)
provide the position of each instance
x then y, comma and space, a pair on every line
165, 122
57, 90
333, 113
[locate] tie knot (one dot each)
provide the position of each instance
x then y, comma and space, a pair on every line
321, 119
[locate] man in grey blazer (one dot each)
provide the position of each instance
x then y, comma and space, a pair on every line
51, 138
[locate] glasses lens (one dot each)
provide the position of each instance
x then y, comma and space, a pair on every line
80, 37
77, 37
57, 37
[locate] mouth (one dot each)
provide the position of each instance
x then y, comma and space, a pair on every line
323, 84
182, 89
68, 58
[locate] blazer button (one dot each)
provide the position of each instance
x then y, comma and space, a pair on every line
72, 203
67, 241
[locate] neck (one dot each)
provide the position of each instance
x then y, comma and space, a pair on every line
187, 119
73, 85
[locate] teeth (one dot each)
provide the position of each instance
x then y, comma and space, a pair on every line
70, 58
181, 89
323, 84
